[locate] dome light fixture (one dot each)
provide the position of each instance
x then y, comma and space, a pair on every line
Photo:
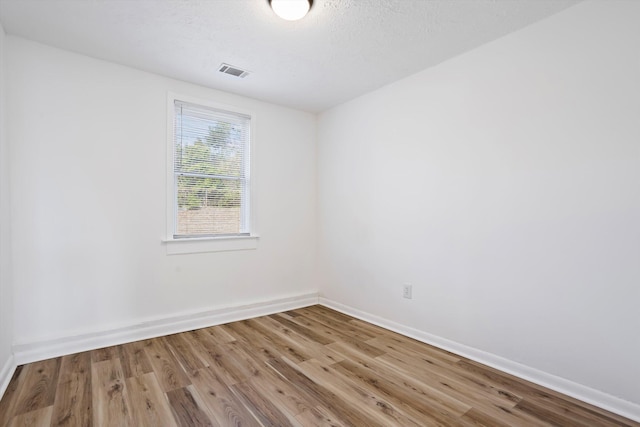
291, 10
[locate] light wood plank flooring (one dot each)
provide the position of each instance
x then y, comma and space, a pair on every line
307, 367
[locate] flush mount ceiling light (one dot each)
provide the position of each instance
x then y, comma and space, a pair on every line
291, 10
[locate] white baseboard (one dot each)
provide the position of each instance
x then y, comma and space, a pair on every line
6, 373
41, 350
586, 394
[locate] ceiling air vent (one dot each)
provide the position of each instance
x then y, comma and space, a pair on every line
234, 71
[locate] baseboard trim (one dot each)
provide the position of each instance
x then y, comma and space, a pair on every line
6, 373
586, 394
41, 350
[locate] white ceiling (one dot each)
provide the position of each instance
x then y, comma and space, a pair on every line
342, 49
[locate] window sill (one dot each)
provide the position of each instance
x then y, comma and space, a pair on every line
210, 244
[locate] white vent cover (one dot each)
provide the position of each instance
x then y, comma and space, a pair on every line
234, 71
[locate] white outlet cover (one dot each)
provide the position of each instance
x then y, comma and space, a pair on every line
407, 291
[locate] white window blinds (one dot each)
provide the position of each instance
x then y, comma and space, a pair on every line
211, 171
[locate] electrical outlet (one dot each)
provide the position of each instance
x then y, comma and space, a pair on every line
407, 291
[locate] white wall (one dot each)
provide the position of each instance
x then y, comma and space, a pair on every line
6, 306
88, 157
504, 185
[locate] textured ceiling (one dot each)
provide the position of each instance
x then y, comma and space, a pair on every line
342, 49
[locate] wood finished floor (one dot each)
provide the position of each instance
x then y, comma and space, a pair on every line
307, 367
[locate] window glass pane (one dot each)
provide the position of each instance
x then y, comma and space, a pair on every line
211, 160
208, 206
212, 147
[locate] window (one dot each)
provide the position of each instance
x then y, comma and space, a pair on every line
210, 172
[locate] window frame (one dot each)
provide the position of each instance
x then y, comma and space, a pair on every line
211, 243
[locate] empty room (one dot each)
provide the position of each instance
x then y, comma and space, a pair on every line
319, 213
